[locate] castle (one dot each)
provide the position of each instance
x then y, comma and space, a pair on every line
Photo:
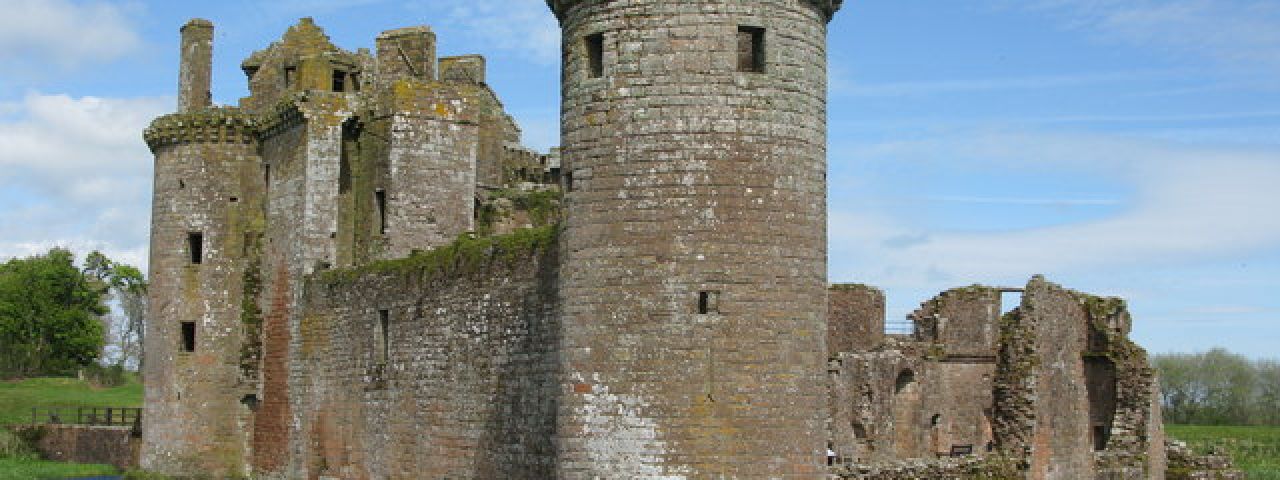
359, 272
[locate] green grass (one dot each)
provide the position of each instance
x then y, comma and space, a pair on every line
1256, 450
17, 397
27, 468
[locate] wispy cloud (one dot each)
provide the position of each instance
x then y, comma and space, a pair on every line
75, 172
1241, 33
524, 26
62, 33
1191, 203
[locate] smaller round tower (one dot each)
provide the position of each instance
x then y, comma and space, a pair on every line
204, 210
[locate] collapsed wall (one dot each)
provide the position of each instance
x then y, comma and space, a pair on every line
440, 365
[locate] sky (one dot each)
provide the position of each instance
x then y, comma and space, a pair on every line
1118, 147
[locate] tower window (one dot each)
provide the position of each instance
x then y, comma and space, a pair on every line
290, 76
339, 81
380, 204
188, 336
568, 181
595, 55
384, 336
751, 49
708, 302
195, 246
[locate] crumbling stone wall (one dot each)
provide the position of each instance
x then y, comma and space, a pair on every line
964, 321
465, 385
855, 318
118, 446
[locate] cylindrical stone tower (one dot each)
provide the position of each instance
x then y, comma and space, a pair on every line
206, 207
693, 284
196, 66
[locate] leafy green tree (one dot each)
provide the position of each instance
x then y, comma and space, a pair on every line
49, 313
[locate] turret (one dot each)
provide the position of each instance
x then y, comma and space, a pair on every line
693, 284
196, 66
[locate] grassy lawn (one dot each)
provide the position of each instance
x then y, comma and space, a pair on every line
25, 468
17, 397
1256, 450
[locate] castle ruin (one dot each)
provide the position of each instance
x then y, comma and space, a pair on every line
359, 272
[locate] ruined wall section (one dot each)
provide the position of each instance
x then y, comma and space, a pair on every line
964, 321
440, 365
1069, 378
694, 281
855, 318
206, 215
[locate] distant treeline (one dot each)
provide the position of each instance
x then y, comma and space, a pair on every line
1219, 388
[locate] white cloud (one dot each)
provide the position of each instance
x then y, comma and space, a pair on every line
1243, 33
63, 33
1191, 203
74, 172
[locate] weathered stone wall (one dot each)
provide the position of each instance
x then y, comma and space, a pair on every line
195, 75
1073, 393
206, 167
465, 385
695, 188
118, 446
431, 199
964, 321
855, 318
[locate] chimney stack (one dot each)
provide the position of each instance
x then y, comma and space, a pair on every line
196, 69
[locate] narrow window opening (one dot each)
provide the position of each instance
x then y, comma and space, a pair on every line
233, 199
380, 204
188, 336
751, 49
384, 337
595, 55
266, 177
568, 181
195, 246
355, 82
708, 302
181, 183
339, 81
350, 150
1100, 436
290, 76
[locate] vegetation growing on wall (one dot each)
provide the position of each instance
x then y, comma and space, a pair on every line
542, 208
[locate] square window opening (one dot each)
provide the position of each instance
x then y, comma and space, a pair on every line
195, 246
708, 302
595, 55
188, 336
339, 81
751, 49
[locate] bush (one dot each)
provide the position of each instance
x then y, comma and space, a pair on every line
14, 446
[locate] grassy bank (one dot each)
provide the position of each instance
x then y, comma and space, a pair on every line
18, 397
29, 468
1256, 450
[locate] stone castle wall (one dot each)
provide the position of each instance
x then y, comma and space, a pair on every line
459, 382
695, 240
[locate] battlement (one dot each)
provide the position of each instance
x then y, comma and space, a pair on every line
560, 7
208, 125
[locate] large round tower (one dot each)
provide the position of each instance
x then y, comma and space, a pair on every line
693, 284
205, 208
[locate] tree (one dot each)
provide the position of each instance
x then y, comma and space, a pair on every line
49, 314
130, 290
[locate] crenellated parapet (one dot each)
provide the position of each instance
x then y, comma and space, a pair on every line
559, 7
208, 125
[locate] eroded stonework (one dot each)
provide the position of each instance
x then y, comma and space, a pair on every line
358, 272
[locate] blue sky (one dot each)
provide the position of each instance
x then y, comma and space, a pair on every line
1124, 147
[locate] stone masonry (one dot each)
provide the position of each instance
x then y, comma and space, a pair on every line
358, 272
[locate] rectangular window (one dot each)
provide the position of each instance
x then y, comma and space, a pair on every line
708, 302
355, 82
290, 76
384, 336
568, 181
595, 55
339, 81
380, 204
751, 49
188, 336
195, 246
266, 177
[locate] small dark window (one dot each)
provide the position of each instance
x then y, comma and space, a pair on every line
250, 72
188, 336
708, 302
233, 199
568, 181
181, 183
290, 76
266, 177
384, 336
355, 82
195, 246
1101, 434
339, 81
380, 203
251, 401
595, 55
751, 49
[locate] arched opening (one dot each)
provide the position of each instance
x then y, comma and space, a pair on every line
907, 418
